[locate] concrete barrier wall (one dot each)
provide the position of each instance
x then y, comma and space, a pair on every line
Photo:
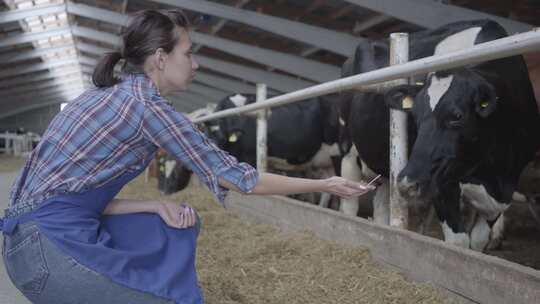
471, 275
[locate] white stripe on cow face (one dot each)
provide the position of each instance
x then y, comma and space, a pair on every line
238, 100
458, 41
437, 89
169, 167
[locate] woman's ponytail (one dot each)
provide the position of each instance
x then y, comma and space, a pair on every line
146, 32
104, 72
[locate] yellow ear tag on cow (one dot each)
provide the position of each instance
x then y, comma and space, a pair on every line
484, 104
407, 102
233, 138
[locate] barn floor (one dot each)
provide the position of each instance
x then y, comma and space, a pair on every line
522, 237
243, 262
10, 164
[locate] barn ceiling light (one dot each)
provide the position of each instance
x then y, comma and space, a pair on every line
49, 21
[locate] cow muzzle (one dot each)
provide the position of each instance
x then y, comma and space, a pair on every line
408, 188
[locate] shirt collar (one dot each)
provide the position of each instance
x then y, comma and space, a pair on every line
141, 85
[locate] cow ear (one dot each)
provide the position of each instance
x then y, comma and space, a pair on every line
367, 57
401, 97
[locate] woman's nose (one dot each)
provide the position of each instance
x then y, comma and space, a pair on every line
194, 64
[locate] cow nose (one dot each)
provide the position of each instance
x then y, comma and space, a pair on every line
408, 188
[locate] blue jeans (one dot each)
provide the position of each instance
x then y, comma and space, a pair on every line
45, 275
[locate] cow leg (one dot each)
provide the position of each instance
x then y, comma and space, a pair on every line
321, 173
381, 206
497, 233
313, 198
480, 234
326, 197
534, 208
350, 171
489, 226
325, 200
485, 237
426, 220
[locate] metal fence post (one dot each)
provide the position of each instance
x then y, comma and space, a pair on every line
399, 213
261, 130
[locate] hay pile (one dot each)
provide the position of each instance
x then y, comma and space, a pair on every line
242, 262
10, 163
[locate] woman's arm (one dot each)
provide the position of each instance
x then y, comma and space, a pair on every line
123, 206
269, 183
172, 213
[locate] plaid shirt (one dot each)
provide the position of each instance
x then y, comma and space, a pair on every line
110, 131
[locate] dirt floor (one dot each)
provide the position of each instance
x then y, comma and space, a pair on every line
243, 262
521, 243
10, 163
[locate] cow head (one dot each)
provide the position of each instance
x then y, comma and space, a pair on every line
230, 132
453, 112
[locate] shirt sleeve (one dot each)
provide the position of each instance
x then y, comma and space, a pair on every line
175, 133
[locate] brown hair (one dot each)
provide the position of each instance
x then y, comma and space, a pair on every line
146, 32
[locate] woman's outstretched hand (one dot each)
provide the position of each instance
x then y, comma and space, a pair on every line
344, 188
176, 215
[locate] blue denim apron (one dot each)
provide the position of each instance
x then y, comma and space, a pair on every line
137, 250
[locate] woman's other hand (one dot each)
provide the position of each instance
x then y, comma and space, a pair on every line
344, 188
176, 215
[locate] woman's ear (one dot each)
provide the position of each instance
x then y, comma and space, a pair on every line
160, 57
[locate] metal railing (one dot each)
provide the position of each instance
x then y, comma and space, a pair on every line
375, 80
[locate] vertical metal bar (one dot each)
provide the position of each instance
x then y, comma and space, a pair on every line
261, 130
399, 215
9, 144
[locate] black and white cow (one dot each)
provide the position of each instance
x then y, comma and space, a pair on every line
296, 132
474, 129
172, 176
301, 136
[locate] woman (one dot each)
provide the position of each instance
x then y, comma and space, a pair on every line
67, 240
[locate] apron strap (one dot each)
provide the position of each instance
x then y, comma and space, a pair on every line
8, 225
